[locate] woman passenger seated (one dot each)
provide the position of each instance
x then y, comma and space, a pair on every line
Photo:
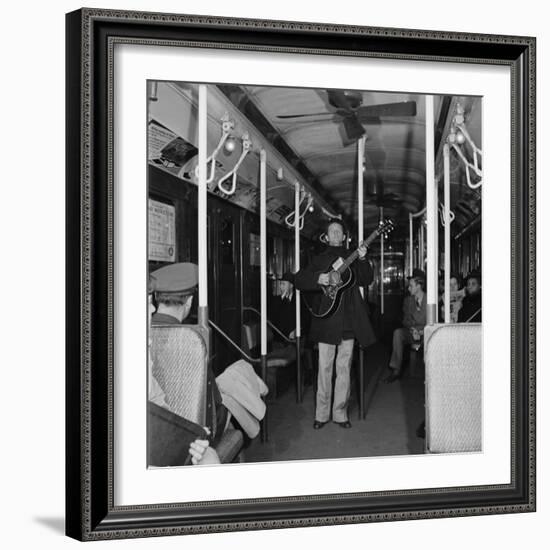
471, 304
456, 295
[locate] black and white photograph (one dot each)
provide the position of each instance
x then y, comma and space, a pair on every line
270, 275
315, 268
300, 274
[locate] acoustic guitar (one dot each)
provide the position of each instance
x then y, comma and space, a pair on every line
342, 277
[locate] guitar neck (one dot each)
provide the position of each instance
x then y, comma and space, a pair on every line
353, 256
349, 260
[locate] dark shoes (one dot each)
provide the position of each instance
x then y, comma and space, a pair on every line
318, 425
392, 377
346, 424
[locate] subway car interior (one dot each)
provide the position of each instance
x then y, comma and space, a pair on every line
245, 182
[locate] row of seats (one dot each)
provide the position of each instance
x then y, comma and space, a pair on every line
452, 356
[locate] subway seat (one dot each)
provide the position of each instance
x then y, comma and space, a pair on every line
179, 356
453, 359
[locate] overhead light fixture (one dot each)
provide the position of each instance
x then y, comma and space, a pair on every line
230, 144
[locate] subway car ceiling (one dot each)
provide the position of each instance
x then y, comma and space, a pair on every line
311, 136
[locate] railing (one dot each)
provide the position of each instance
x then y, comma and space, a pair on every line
233, 343
271, 325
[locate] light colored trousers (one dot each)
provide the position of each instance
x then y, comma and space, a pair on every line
401, 338
341, 385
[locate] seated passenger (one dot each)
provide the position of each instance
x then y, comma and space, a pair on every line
175, 285
456, 295
414, 321
200, 450
471, 304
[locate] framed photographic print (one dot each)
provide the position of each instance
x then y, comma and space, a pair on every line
300, 274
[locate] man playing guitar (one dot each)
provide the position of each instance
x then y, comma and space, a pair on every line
335, 333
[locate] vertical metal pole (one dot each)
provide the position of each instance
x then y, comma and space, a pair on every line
419, 237
360, 190
297, 292
202, 213
411, 245
263, 276
447, 228
421, 247
436, 248
382, 265
431, 214
360, 236
263, 254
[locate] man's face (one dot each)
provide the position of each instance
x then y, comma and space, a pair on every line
335, 234
413, 287
473, 286
453, 284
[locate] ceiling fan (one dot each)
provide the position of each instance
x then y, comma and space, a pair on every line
349, 109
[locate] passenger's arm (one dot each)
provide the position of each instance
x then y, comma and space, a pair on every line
408, 320
423, 321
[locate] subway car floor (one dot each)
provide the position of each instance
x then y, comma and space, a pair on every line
394, 412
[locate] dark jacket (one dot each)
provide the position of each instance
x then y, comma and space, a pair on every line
352, 315
414, 316
282, 313
470, 312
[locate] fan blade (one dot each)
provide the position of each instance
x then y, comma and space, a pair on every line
304, 115
403, 108
354, 129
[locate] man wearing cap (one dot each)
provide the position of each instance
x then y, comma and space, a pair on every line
175, 285
414, 321
199, 450
335, 334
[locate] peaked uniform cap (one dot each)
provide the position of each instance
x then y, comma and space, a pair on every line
180, 278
